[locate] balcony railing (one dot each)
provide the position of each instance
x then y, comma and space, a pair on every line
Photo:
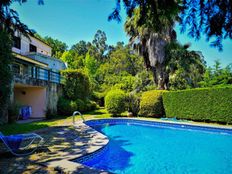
38, 73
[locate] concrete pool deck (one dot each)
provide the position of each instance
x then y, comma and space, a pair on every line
65, 143
62, 144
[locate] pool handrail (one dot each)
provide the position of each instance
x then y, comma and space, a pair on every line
74, 114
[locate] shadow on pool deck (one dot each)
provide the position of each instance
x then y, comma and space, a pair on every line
62, 144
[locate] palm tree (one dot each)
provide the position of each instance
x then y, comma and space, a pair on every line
213, 18
150, 41
161, 52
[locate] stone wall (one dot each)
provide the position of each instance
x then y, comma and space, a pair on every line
53, 92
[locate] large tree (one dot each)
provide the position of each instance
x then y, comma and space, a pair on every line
81, 48
185, 68
213, 18
9, 22
9, 18
150, 27
74, 60
150, 41
120, 69
217, 76
5, 75
99, 42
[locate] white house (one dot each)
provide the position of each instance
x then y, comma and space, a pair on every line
37, 81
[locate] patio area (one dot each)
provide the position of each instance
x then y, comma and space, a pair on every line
62, 144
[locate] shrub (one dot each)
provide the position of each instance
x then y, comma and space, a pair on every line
98, 97
50, 114
76, 85
63, 106
80, 105
73, 105
115, 102
67, 107
151, 103
86, 105
133, 104
91, 105
206, 104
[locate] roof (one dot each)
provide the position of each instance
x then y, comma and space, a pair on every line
46, 56
28, 59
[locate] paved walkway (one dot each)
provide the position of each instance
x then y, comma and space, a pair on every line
62, 144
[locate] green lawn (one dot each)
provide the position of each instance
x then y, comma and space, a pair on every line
16, 128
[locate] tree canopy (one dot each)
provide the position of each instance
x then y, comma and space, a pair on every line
58, 47
9, 18
210, 17
99, 41
213, 18
217, 75
81, 48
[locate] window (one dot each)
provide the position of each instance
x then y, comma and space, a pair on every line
33, 48
17, 42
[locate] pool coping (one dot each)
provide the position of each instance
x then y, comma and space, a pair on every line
191, 123
73, 166
69, 166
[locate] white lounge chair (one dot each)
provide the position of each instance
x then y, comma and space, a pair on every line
18, 143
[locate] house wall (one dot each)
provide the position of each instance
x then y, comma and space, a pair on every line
42, 94
42, 48
34, 97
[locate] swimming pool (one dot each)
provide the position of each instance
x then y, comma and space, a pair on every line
151, 147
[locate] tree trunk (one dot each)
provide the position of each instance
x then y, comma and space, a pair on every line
160, 77
5, 76
9, 99
154, 56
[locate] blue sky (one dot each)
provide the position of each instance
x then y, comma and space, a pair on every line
73, 20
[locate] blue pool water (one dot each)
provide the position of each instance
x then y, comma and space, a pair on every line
147, 149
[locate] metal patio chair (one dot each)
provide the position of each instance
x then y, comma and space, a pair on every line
22, 144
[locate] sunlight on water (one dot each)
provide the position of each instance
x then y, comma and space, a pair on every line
145, 149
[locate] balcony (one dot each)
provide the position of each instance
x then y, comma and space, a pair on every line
33, 75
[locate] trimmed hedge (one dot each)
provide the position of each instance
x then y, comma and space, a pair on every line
151, 103
206, 104
115, 102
